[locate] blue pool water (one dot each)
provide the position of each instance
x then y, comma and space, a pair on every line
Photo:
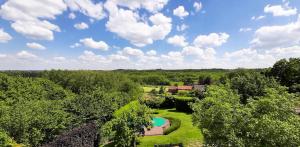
158, 121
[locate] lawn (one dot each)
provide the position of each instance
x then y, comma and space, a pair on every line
187, 134
147, 89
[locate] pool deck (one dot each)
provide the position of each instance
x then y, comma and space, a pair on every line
157, 130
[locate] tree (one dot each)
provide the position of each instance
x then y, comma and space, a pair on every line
161, 90
250, 84
265, 121
287, 72
127, 122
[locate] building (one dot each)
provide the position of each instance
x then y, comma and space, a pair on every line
175, 89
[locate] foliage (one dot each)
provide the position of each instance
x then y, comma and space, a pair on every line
250, 84
175, 124
31, 110
128, 121
183, 103
265, 121
5, 140
153, 101
96, 105
287, 72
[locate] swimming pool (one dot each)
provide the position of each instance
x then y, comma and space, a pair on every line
158, 121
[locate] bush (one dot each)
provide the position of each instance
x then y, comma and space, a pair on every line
169, 102
175, 124
183, 103
5, 140
154, 101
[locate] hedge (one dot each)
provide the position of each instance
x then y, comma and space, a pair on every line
182, 103
175, 124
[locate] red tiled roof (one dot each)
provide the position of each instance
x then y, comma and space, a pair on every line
185, 87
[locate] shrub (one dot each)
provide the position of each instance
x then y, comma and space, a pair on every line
175, 124
154, 101
5, 140
169, 102
182, 103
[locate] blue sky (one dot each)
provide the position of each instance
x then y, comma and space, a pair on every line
147, 34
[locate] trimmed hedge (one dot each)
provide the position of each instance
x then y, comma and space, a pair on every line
175, 124
182, 104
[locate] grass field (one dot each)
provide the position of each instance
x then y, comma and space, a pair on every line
187, 134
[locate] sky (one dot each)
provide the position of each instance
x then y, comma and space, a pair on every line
147, 34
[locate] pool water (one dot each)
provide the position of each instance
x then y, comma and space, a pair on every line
158, 121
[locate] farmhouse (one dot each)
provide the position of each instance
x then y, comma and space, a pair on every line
175, 89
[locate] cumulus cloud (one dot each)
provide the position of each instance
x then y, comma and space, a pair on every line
89, 56
245, 29
59, 59
197, 6
280, 10
182, 27
26, 55
4, 37
258, 17
151, 53
72, 15
81, 26
87, 7
180, 12
3, 55
75, 45
128, 25
133, 52
150, 5
173, 56
31, 20
91, 43
35, 45
211, 40
277, 36
177, 40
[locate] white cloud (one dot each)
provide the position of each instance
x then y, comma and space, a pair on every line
133, 52
75, 45
59, 59
173, 56
180, 12
72, 15
258, 17
277, 36
30, 19
245, 29
128, 25
151, 53
89, 56
81, 26
197, 6
211, 40
89, 42
279, 10
25, 55
3, 55
118, 57
35, 45
87, 7
177, 40
150, 5
4, 37
182, 27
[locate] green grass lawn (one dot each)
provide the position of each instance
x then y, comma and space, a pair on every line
187, 134
147, 89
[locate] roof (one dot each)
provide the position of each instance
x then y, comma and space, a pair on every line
185, 87
199, 87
